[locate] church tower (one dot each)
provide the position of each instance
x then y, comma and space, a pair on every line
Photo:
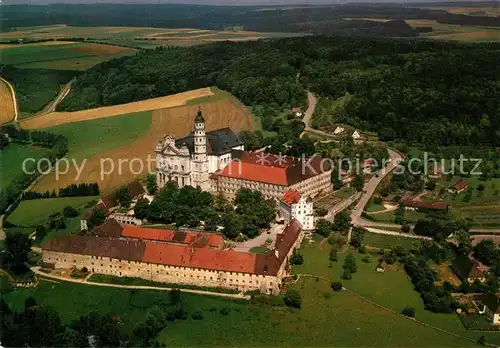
200, 159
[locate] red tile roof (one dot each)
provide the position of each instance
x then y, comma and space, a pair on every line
273, 169
180, 255
110, 228
291, 197
462, 184
174, 236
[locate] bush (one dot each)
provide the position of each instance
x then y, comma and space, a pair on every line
347, 275
378, 200
406, 228
296, 258
336, 286
60, 224
292, 299
409, 312
225, 311
362, 250
366, 259
197, 315
69, 211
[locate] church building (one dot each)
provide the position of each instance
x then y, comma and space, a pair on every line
191, 159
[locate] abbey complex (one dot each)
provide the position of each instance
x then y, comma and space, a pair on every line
215, 162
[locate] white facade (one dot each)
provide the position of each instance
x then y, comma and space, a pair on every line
302, 211
126, 219
177, 163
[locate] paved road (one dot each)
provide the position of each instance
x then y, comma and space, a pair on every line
370, 188
312, 101
14, 99
51, 107
341, 206
37, 271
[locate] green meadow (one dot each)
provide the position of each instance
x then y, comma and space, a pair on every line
326, 318
89, 138
11, 161
36, 211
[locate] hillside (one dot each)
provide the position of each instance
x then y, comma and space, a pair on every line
449, 92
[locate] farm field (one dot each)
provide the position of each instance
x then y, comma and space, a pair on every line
176, 121
455, 32
482, 10
58, 118
443, 31
11, 160
392, 289
70, 56
88, 138
356, 322
7, 111
140, 37
36, 211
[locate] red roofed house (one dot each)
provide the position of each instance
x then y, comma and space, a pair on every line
272, 175
176, 261
293, 205
459, 186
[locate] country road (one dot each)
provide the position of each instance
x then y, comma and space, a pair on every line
14, 98
312, 101
51, 107
370, 188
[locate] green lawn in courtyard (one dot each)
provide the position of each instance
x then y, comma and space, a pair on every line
260, 250
37, 211
88, 138
11, 161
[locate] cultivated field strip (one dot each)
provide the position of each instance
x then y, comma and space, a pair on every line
57, 118
174, 121
7, 104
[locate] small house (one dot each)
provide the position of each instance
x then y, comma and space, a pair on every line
467, 269
297, 112
460, 186
381, 267
339, 130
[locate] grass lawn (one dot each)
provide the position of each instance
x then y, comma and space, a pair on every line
260, 250
386, 241
344, 192
37, 211
325, 317
88, 138
391, 289
72, 226
490, 195
11, 160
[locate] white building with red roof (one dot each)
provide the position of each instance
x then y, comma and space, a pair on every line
293, 205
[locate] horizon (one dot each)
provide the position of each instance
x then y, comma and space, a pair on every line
234, 2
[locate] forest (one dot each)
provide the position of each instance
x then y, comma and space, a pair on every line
312, 19
35, 88
448, 92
